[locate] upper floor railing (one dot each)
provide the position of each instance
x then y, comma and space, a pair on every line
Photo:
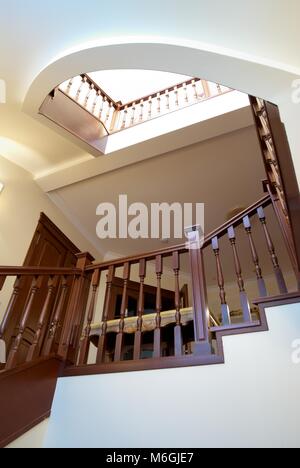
116, 116
151, 310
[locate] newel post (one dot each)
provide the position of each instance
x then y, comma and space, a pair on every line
202, 343
76, 309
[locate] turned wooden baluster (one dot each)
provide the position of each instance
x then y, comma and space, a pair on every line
158, 103
278, 273
150, 107
35, 347
10, 306
108, 113
260, 280
124, 121
141, 117
185, 91
167, 100
226, 319
132, 114
55, 322
157, 331
84, 346
243, 295
102, 339
101, 109
70, 84
97, 95
138, 333
88, 95
202, 344
178, 343
206, 89
176, 96
83, 81
120, 335
194, 84
13, 355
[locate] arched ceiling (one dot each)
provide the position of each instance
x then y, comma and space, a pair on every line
252, 46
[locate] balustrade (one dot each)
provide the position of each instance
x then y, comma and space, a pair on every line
117, 116
155, 305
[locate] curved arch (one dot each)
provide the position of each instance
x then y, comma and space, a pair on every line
266, 81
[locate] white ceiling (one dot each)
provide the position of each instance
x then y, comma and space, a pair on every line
33, 34
128, 85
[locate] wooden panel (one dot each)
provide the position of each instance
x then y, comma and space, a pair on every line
26, 397
49, 248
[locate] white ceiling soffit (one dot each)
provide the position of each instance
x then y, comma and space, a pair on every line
265, 78
167, 143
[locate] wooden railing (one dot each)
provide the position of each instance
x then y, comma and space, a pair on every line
29, 283
206, 323
116, 116
92, 305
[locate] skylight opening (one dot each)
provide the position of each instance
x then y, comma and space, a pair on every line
121, 99
130, 85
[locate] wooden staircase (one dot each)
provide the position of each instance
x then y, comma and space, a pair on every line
26, 397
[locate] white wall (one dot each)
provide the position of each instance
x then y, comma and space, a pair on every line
32, 439
20, 205
251, 401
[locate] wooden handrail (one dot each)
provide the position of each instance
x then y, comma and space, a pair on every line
38, 271
121, 106
238, 219
90, 81
165, 252
162, 91
132, 113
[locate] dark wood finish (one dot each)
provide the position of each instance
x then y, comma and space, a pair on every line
138, 333
10, 307
182, 248
48, 347
144, 365
278, 273
102, 339
13, 354
238, 269
157, 331
260, 280
35, 347
286, 233
84, 346
2, 282
274, 301
178, 342
50, 251
26, 397
280, 171
191, 360
201, 313
38, 271
95, 86
226, 320
288, 174
75, 312
120, 335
